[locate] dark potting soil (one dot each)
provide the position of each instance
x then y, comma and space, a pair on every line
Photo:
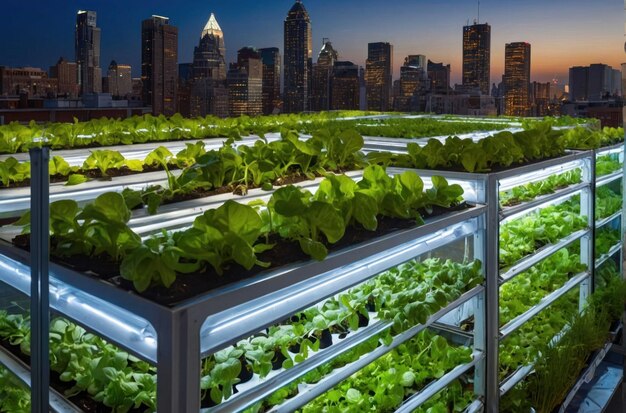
190, 285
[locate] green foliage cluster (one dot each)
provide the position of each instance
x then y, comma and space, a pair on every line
87, 362
585, 138
521, 237
529, 287
532, 190
608, 202
606, 238
14, 395
607, 164
293, 341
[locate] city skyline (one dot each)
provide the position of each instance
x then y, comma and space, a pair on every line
563, 33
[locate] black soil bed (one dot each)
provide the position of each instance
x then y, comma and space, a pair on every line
190, 285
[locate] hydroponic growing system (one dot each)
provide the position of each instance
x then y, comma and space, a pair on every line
412, 318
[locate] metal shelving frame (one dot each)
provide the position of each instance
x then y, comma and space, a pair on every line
485, 188
175, 339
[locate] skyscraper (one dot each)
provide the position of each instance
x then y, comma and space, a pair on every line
245, 84
87, 47
578, 80
159, 59
270, 58
208, 90
322, 73
66, 74
517, 79
298, 59
413, 77
119, 79
439, 76
344, 86
476, 57
378, 76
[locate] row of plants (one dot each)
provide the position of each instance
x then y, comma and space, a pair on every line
523, 236
14, 395
496, 152
87, 368
528, 288
607, 164
235, 233
559, 363
606, 238
532, 190
15, 137
583, 138
404, 296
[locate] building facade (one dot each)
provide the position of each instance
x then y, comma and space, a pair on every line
87, 47
516, 79
29, 81
345, 87
298, 59
271, 61
477, 57
413, 81
439, 76
119, 80
594, 83
378, 76
322, 75
66, 74
208, 93
245, 84
159, 59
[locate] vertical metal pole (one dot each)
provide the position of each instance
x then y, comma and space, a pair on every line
492, 296
480, 313
587, 243
39, 287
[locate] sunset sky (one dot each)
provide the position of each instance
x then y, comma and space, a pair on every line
562, 33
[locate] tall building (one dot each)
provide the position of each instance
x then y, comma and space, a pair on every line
66, 74
322, 73
345, 86
245, 84
119, 80
209, 95
542, 99
476, 57
439, 76
159, 59
593, 83
413, 79
298, 59
517, 79
270, 58
378, 76
87, 46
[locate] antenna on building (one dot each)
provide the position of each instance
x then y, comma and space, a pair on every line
478, 19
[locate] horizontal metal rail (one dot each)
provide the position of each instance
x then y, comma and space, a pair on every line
605, 257
545, 302
540, 255
435, 387
603, 221
607, 179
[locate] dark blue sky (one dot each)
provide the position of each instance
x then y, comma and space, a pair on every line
562, 32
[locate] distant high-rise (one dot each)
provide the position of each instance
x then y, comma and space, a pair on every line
593, 83
208, 90
439, 76
517, 79
66, 74
413, 77
87, 47
344, 86
298, 59
159, 60
322, 73
270, 58
476, 57
378, 76
119, 79
578, 79
245, 84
